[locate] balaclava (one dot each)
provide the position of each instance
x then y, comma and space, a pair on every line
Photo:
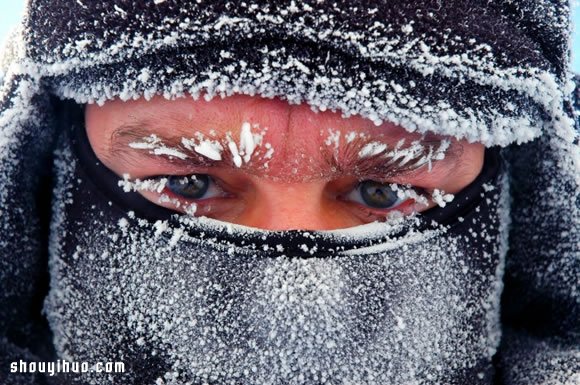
185, 300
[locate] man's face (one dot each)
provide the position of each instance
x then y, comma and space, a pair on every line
267, 164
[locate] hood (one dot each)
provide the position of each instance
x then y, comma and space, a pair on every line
496, 73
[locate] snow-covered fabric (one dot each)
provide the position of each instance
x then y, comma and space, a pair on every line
494, 72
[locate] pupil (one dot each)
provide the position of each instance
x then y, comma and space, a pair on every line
378, 195
193, 187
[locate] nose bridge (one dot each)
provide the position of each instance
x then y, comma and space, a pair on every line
282, 206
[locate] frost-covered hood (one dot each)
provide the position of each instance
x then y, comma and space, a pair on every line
496, 73
438, 67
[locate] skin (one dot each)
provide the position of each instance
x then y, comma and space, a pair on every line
297, 189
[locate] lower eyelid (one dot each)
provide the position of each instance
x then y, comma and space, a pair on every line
403, 205
204, 207
209, 200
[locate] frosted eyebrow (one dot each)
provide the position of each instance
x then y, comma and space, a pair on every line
123, 136
376, 160
346, 160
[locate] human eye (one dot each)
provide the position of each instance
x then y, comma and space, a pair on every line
193, 187
377, 198
193, 194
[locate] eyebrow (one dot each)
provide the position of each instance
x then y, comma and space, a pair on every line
343, 161
347, 160
124, 135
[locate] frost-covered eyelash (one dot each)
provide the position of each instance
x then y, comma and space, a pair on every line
440, 197
408, 192
151, 184
157, 185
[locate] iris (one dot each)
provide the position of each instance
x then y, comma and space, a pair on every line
378, 195
190, 187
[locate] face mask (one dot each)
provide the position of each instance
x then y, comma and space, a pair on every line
183, 300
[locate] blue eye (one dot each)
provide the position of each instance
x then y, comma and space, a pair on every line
376, 195
197, 186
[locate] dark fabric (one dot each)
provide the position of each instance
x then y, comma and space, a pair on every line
24, 231
331, 50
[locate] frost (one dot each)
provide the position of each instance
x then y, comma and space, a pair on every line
154, 185
333, 138
269, 151
123, 223
350, 136
150, 142
153, 143
407, 29
372, 149
232, 146
144, 76
488, 187
171, 152
406, 192
188, 208
209, 149
247, 144
441, 198
119, 10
